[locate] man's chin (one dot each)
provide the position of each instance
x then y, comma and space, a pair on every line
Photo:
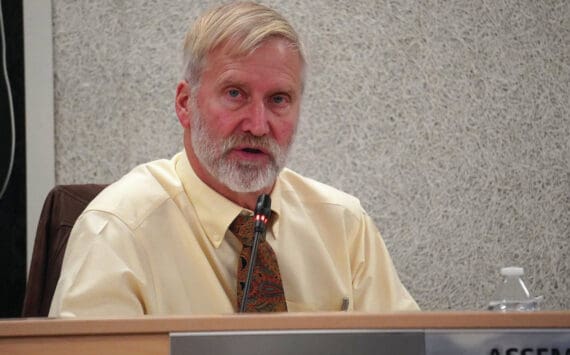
246, 182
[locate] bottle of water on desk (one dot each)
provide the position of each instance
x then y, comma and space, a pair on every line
512, 294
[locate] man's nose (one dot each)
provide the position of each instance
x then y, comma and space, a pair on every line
256, 120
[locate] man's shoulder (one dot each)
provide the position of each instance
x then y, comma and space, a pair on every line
312, 192
139, 193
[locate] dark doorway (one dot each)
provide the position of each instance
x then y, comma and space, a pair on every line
12, 162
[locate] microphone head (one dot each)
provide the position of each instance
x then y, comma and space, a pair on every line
263, 206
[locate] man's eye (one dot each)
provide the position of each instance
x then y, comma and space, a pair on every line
278, 99
233, 93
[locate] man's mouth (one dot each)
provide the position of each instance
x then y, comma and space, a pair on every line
251, 153
252, 150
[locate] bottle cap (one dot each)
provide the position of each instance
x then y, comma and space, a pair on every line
512, 271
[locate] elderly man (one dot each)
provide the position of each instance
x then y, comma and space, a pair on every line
170, 237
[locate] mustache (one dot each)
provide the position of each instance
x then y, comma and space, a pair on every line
264, 143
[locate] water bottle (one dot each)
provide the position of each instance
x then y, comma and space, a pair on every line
512, 295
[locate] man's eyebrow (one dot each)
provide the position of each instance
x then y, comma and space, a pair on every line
286, 91
228, 80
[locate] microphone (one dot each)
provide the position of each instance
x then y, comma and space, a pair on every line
261, 216
262, 213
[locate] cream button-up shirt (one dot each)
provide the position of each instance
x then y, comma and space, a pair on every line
157, 242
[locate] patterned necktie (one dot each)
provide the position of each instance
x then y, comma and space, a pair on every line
266, 291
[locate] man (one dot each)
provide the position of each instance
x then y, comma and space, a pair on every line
166, 238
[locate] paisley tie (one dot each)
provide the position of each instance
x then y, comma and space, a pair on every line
266, 291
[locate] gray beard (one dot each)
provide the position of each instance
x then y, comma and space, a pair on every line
238, 176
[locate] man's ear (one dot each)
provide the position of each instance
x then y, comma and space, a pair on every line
182, 103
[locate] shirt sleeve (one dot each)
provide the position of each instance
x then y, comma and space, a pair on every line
376, 285
102, 272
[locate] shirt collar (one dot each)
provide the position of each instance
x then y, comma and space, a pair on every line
214, 211
276, 204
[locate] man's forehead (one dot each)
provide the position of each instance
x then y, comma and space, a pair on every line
237, 48
237, 73
272, 48
278, 61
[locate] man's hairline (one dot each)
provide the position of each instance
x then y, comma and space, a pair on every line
204, 62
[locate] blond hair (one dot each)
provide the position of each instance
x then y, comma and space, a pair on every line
242, 26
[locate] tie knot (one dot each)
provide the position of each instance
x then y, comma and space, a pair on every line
242, 228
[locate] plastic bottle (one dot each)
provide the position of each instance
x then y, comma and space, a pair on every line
512, 294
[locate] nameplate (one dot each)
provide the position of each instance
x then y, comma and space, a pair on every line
498, 342
306, 342
374, 342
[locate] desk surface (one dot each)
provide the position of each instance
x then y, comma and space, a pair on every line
151, 335
337, 320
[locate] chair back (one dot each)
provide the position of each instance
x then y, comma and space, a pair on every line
62, 206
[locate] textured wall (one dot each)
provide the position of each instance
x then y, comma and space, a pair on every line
448, 119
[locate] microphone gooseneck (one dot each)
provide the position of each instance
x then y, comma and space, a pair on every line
262, 214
